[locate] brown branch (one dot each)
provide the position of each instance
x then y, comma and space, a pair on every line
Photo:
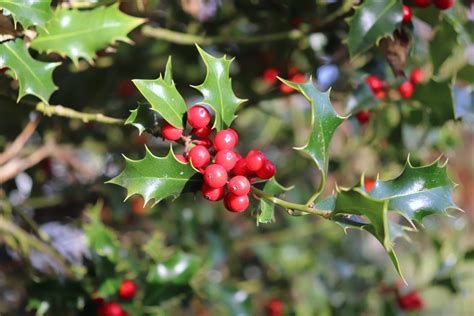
13, 149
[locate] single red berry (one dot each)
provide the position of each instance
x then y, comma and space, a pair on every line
363, 117
285, 88
215, 176
239, 185
198, 116
225, 139
443, 4
406, 14
240, 168
202, 132
226, 158
298, 78
255, 160
422, 3
169, 132
236, 203
406, 89
417, 76
181, 158
270, 76
411, 301
206, 142
381, 94
212, 194
125, 88
274, 307
369, 184
375, 83
110, 309
127, 289
199, 156
267, 171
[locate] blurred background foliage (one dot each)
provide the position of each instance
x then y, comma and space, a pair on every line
68, 238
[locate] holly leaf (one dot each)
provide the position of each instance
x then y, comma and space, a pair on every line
157, 177
177, 270
324, 121
372, 21
34, 77
418, 191
443, 43
437, 99
143, 118
27, 12
80, 33
273, 188
217, 90
164, 98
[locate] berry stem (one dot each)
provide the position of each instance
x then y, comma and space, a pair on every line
290, 205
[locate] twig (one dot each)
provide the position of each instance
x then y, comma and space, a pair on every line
20, 141
10, 228
15, 166
60, 110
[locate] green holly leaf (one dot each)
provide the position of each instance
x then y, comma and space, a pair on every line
100, 238
143, 118
177, 270
164, 98
418, 191
28, 13
324, 121
443, 43
217, 89
273, 188
437, 99
372, 20
157, 177
80, 33
34, 77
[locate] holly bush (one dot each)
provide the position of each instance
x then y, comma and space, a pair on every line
138, 178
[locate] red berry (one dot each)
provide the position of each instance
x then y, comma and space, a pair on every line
236, 203
198, 116
241, 168
202, 132
181, 158
417, 76
206, 142
406, 89
226, 158
270, 75
285, 89
422, 3
3, 70
369, 184
375, 83
298, 78
380, 94
406, 14
274, 307
125, 88
199, 156
443, 4
411, 301
127, 289
170, 132
293, 71
110, 309
267, 171
225, 139
255, 160
239, 185
363, 117
212, 194
215, 176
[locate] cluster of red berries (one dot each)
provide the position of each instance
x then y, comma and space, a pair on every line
126, 292
270, 76
380, 89
440, 4
229, 168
